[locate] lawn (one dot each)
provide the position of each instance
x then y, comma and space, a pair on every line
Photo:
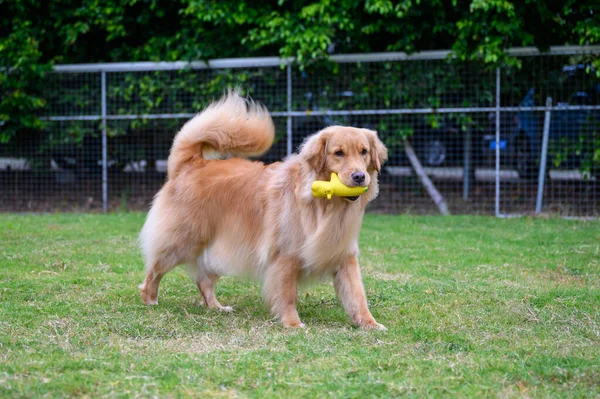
474, 306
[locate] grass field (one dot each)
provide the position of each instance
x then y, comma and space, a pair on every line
475, 307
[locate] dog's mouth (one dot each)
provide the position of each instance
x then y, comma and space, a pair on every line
352, 199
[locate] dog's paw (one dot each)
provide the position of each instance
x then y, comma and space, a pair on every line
373, 325
294, 325
147, 299
380, 327
226, 309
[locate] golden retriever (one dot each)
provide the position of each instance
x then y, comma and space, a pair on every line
239, 217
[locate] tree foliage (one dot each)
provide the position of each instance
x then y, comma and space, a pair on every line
34, 35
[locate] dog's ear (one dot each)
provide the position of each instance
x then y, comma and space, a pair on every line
379, 154
314, 151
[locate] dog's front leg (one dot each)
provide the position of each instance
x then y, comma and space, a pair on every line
280, 290
350, 291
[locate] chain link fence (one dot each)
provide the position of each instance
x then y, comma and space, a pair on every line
508, 141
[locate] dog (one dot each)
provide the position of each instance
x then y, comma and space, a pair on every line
239, 217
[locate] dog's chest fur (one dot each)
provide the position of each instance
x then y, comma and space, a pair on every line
334, 239
320, 234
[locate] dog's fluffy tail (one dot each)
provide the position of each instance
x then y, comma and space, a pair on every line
231, 125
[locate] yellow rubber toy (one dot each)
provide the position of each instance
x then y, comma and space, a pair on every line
335, 187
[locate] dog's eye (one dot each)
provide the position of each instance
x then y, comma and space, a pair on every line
364, 151
339, 153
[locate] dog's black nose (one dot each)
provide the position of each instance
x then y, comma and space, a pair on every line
358, 177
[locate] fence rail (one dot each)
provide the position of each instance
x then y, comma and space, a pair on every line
457, 114
407, 111
226, 63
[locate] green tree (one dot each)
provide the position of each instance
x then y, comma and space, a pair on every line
34, 35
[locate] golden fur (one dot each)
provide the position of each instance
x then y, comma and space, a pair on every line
238, 217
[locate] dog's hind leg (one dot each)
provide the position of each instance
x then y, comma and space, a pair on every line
206, 285
154, 273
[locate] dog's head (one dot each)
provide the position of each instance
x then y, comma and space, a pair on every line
354, 154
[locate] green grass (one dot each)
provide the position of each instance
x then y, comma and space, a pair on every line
475, 307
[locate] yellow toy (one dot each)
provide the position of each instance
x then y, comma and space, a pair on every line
335, 187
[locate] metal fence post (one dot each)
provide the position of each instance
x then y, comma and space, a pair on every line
542, 175
289, 108
104, 144
467, 167
497, 202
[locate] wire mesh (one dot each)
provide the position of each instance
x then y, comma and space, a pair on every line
443, 108
393, 85
569, 181
57, 169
